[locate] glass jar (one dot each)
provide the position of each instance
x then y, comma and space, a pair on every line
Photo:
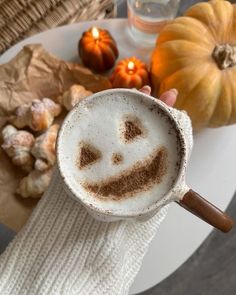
147, 17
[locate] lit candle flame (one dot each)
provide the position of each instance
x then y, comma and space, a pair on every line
95, 33
130, 65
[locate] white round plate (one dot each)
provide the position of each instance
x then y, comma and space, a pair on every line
211, 170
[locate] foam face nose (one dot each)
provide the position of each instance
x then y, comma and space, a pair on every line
117, 159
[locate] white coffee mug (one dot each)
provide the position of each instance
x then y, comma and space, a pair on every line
179, 192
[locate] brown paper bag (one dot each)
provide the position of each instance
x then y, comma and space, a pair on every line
33, 73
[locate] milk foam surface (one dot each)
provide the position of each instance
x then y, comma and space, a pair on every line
98, 122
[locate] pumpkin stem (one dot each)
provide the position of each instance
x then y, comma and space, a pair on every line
225, 56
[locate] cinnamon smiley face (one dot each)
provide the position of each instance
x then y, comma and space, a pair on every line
141, 176
120, 153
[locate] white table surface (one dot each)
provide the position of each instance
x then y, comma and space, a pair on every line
211, 171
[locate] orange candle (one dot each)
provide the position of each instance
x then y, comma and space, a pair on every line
97, 49
130, 73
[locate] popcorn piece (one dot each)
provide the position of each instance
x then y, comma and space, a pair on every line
38, 115
35, 184
17, 144
72, 96
44, 149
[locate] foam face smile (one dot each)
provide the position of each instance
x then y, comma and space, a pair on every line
138, 178
120, 153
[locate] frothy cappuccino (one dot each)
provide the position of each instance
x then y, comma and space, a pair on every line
123, 153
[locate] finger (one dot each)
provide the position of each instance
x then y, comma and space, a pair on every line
169, 97
146, 89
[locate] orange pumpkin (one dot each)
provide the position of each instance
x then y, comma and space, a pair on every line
98, 50
197, 55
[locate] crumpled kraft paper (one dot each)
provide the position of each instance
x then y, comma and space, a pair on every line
33, 73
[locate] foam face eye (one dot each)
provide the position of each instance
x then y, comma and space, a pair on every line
131, 128
88, 155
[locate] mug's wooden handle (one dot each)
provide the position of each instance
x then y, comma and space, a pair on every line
200, 207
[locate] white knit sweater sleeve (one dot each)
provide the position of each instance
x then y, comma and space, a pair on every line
62, 250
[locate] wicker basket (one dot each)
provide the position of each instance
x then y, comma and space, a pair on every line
22, 18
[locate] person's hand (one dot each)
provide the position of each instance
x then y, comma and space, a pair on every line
168, 97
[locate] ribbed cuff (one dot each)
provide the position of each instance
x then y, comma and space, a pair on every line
62, 250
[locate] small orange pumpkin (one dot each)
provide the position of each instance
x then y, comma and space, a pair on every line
98, 50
